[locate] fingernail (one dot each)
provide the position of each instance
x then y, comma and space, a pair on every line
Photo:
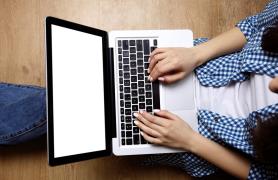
148, 70
150, 78
136, 122
161, 78
141, 112
142, 133
149, 59
156, 110
135, 114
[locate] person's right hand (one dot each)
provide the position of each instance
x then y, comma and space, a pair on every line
172, 64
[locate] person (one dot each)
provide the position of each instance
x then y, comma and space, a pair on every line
237, 113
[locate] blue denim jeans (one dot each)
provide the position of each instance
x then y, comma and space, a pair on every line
22, 113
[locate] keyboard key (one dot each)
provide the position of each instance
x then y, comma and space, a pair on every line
121, 87
122, 103
141, 91
133, 64
133, 71
125, 60
120, 66
152, 49
139, 55
135, 130
134, 100
147, 80
122, 126
121, 80
140, 76
148, 94
126, 75
132, 42
146, 58
128, 126
119, 50
128, 119
122, 118
119, 43
125, 44
127, 97
120, 72
120, 58
125, 53
133, 78
121, 95
146, 46
149, 101
140, 70
134, 108
139, 45
133, 85
123, 134
126, 83
155, 42
126, 68
146, 73
134, 93
146, 65
132, 56
141, 105
123, 141
141, 98
148, 87
127, 111
149, 109
122, 110
141, 83
140, 62
128, 134
128, 141
128, 104
136, 139
132, 50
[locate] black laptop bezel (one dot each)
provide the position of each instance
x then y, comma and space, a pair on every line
108, 93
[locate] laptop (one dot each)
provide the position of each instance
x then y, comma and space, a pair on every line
96, 80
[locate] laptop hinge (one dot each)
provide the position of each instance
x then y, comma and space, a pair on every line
112, 88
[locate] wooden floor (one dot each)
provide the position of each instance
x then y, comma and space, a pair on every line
22, 60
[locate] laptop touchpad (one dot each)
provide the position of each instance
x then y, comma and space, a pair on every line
180, 95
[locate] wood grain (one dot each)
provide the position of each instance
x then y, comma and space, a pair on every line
22, 60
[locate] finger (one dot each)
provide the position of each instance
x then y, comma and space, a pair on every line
160, 69
156, 51
150, 139
147, 129
172, 77
154, 119
165, 114
147, 123
156, 58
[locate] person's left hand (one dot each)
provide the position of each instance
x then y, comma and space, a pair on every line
165, 129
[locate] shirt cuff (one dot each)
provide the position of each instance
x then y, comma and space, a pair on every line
248, 26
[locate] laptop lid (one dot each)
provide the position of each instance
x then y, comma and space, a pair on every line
80, 92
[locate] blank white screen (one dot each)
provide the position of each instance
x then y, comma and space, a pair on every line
78, 94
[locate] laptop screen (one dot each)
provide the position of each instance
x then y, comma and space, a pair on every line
78, 93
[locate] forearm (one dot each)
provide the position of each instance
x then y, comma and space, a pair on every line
220, 156
228, 42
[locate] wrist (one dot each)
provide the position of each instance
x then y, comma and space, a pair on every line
194, 142
202, 53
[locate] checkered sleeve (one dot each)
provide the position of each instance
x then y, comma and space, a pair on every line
263, 171
253, 24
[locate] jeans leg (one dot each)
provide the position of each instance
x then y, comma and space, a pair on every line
22, 113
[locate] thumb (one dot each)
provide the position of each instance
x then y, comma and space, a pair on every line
170, 78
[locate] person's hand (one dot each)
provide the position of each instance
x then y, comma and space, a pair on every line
172, 64
165, 129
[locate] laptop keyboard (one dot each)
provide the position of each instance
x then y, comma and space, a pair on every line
135, 90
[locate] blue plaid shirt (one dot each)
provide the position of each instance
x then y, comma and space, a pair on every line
233, 132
